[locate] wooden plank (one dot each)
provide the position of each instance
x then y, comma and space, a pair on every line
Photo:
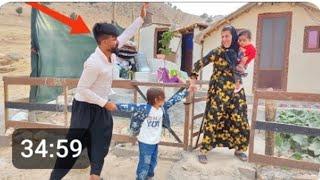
6, 111
195, 134
287, 128
135, 96
171, 144
51, 81
276, 161
48, 81
200, 99
192, 121
197, 116
124, 84
176, 137
131, 139
151, 84
52, 108
253, 122
287, 96
187, 120
270, 116
72, 82
22, 124
36, 107
140, 92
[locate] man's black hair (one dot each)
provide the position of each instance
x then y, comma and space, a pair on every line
104, 30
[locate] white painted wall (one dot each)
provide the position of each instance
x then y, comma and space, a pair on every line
303, 69
146, 41
196, 47
175, 45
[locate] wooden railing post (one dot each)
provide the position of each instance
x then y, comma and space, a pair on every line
192, 121
253, 123
188, 117
135, 96
270, 116
6, 111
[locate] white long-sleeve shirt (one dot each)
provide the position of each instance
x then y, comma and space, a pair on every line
95, 82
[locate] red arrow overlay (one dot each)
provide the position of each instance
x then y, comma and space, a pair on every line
77, 26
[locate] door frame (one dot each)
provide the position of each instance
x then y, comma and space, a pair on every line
287, 14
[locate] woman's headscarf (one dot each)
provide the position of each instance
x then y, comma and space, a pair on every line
232, 53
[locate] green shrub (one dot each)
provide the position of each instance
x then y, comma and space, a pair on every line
299, 146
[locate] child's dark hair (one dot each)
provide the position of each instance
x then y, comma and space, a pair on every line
154, 93
245, 32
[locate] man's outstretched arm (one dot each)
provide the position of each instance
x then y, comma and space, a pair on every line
133, 28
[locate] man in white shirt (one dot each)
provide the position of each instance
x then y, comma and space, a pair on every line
91, 109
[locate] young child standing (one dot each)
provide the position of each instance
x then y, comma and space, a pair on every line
148, 120
247, 52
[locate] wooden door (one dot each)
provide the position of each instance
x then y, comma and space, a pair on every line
273, 42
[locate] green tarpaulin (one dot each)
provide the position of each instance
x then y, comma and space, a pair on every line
56, 53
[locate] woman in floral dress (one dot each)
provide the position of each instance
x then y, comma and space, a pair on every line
225, 118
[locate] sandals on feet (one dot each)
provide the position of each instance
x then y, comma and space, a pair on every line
203, 159
242, 156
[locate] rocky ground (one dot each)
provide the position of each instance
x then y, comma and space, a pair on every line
174, 164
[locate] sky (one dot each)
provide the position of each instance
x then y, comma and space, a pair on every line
209, 8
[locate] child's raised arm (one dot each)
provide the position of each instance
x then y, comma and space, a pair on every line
175, 99
130, 108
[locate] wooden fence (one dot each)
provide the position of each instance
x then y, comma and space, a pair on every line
189, 132
281, 128
69, 83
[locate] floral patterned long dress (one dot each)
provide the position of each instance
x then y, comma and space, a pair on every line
225, 119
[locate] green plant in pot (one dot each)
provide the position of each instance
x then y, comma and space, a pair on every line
165, 50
